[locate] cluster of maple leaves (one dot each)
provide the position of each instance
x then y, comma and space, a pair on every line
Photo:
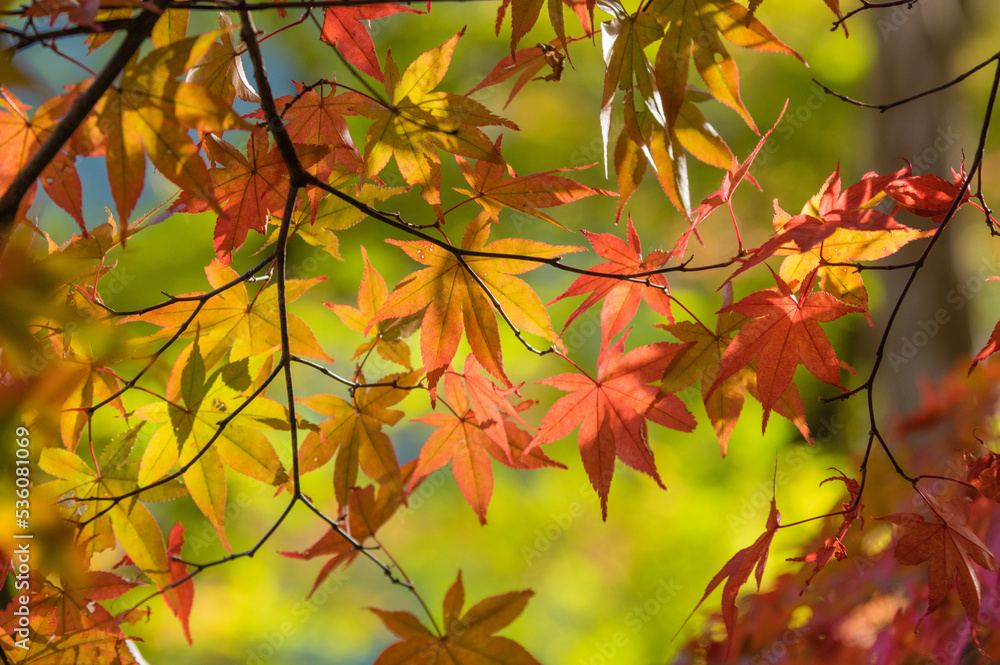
302, 174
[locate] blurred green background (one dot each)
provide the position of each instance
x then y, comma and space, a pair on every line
605, 592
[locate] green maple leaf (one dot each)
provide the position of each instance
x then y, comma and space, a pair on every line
189, 422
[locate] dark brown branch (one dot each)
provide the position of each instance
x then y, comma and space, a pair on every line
882, 108
24, 39
354, 385
866, 5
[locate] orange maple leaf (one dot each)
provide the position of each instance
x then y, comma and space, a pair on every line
353, 430
612, 411
525, 194
469, 638
620, 298
784, 332
467, 437
454, 292
20, 138
984, 473
365, 513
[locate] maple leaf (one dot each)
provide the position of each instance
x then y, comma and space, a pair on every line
624, 39
220, 70
730, 181
20, 138
173, 27
183, 592
318, 120
645, 140
344, 28
527, 62
44, 647
75, 601
835, 226
928, 195
131, 522
950, 549
247, 188
150, 112
737, 571
844, 245
984, 473
453, 291
833, 547
468, 638
197, 401
669, 120
620, 298
991, 346
491, 408
414, 122
525, 194
353, 430
234, 323
475, 430
612, 410
365, 514
372, 294
784, 332
693, 31
87, 380
698, 362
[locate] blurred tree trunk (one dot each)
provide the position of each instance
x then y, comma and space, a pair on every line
916, 52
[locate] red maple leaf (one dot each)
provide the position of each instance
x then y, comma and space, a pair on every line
928, 195
612, 411
313, 118
730, 181
619, 297
183, 597
833, 547
784, 332
344, 28
984, 473
950, 548
470, 435
248, 187
992, 345
737, 571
